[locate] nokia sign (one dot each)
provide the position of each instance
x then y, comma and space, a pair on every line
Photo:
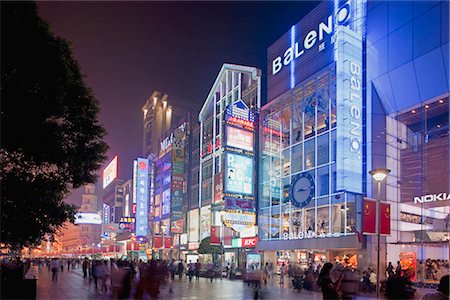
324, 28
431, 198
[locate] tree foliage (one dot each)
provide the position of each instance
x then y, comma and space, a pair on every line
205, 247
51, 140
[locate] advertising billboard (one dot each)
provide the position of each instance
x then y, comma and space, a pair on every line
239, 174
193, 225
88, 218
205, 221
239, 138
134, 180
218, 187
142, 197
238, 221
232, 203
177, 197
110, 172
165, 203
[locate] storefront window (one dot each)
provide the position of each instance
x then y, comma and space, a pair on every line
322, 219
296, 222
351, 213
322, 149
337, 213
323, 182
310, 219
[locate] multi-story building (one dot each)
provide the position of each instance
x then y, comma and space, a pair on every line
353, 87
227, 181
86, 232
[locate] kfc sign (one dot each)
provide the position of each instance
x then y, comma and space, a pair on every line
249, 242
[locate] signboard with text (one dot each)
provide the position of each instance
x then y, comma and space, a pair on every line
142, 197
239, 138
239, 174
110, 172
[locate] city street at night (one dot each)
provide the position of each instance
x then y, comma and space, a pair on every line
225, 149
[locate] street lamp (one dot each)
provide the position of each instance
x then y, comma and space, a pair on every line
379, 175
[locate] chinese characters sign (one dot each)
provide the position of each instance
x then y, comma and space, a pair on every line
142, 197
239, 138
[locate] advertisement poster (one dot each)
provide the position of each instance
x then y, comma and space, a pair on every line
177, 226
205, 221
239, 174
142, 198
215, 235
239, 138
110, 172
238, 204
253, 262
193, 225
239, 221
166, 203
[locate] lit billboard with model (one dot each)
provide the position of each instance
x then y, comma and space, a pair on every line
239, 174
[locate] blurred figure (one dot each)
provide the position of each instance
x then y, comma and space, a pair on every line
180, 269
398, 287
85, 267
390, 269
282, 271
172, 269
191, 270
328, 287
55, 266
266, 273
349, 284
398, 269
197, 270
442, 292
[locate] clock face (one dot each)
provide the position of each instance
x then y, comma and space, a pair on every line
302, 190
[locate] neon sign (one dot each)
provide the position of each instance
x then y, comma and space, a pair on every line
142, 197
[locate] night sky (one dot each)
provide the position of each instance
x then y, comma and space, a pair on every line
129, 49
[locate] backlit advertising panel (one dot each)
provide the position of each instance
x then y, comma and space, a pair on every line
142, 197
110, 172
88, 218
239, 138
177, 197
134, 180
205, 221
165, 203
349, 100
193, 225
239, 174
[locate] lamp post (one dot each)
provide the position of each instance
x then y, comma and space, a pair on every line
379, 175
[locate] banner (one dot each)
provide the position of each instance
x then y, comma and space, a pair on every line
227, 236
369, 217
385, 218
215, 235
167, 242
218, 187
133, 246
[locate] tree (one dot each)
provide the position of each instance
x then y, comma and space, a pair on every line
51, 140
205, 247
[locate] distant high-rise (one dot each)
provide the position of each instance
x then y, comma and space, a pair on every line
157, 120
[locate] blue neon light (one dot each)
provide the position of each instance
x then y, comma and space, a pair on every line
293, 61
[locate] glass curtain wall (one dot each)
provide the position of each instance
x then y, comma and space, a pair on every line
299, 135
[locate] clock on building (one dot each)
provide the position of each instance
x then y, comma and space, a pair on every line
302, 189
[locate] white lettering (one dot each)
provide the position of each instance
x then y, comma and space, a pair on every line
288, 56
325, 28
432, 198
276, 65
310, 39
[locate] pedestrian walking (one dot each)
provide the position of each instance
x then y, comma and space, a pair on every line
85, 266
390, 269
62, 265
180, 269
197, 270
282, 271
266, 273
329, 288
398, 269
55, 266
191, 270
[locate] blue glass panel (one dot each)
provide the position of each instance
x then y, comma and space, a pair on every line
384, 89
400, 46
377, 23
430, 74
404, 86
426, 32
444, 22
400, 13
379, 52
420, 7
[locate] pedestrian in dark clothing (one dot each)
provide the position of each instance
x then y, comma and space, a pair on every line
197, 270
172, 269
85, 266
180, 269
329, 288
398, 269
390, 269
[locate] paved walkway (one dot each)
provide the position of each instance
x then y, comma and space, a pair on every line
72, 285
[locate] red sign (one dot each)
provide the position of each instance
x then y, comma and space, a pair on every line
215, 235
193, 246
369, 217
385, 218
133, 209
249, 242
157, 242
167, 242
218, 187
132, 246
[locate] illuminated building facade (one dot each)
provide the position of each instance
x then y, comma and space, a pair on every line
226, 174
355, 86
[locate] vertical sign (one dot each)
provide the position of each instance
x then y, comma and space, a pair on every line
106, 218
385, 218
142, 197
348, 53
134, 180
215, 235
